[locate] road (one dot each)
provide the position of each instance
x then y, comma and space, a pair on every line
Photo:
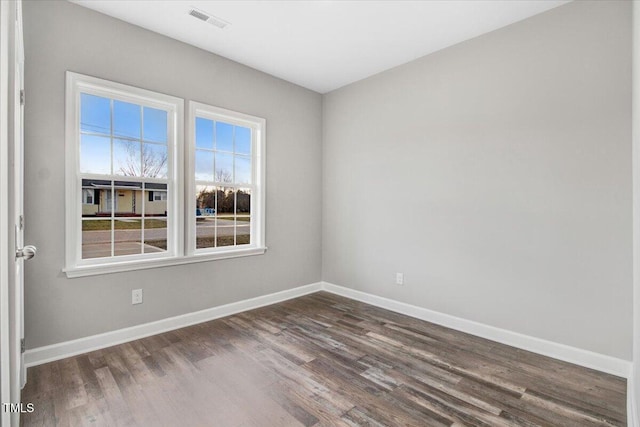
97, 243
203, 229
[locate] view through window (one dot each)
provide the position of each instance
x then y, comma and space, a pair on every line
131, 203
223, 175
124, 172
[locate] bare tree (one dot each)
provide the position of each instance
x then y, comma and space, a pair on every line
151, 164
223, 175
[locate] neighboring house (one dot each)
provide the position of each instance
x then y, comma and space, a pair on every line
127, 198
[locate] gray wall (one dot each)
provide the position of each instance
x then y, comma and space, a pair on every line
60, 36
496, 174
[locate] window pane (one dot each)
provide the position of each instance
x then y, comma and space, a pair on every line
127, 237
136, 200
204, 133
155, 125
155, 200
90, 205
126, 119
204, 165
243, 170
155, 235
126, 157
225, 202
87, 197
154, 160
95, 114
224, 167
243, 202
224, 136
243, 216
95, 154
205, 216
243, 140
243, 231
222, 217
96, 238
125, 197
109, 206
225, 226
225, 230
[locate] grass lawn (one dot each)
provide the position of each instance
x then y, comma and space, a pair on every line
126, 224
230, 218
206, 242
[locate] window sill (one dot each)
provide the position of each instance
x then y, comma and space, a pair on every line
97, 269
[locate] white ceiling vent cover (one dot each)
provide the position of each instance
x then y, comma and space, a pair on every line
213, 20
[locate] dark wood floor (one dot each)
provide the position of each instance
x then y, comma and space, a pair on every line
319, 360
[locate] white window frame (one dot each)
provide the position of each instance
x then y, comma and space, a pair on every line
181, 181
258, 163
75, 265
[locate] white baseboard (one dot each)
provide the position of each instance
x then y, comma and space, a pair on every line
589, 359
586, 358
49, 353
574, 355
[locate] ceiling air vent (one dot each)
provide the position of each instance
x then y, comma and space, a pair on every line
213, 20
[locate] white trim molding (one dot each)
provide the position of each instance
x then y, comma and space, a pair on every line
5, 229
76, 86
116, 267
589, 359
50, 353
632, 403
256, 185
586, 358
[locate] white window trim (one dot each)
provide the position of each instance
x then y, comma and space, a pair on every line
258, 126
182, 180
75, 84
117, 267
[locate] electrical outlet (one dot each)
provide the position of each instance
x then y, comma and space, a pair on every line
136, 296
399, 278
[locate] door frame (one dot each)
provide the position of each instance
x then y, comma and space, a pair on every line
5, 230
10, 370
16, 67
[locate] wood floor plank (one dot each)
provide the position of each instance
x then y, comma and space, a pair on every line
76, 394
319, 360
117, 405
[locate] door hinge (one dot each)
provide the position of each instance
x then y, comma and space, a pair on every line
22, 97
23, 347
20, 222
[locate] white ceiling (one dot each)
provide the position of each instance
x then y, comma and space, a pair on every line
323, 45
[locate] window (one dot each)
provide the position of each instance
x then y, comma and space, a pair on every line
226, 158
126, 186
87, 196
121, 145
157, 196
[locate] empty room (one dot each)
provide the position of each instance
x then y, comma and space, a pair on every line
319, 213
